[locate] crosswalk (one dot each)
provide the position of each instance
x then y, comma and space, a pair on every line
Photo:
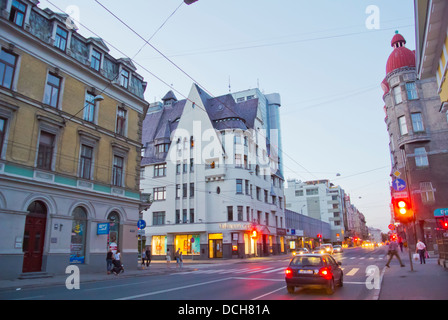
253, 270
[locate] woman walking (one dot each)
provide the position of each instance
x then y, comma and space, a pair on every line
421, 250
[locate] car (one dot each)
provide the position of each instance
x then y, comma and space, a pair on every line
314, 271
328, 247
337, 248
318, 250
300, 251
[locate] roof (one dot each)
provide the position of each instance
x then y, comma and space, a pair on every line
400, 56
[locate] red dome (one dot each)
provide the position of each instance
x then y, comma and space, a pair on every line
400, 56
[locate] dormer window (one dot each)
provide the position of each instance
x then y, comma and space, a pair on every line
60, 40
124, 78
95, 60
17, 14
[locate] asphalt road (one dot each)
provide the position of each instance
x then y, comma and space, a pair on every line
257, 281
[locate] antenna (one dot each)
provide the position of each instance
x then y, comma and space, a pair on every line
230, 88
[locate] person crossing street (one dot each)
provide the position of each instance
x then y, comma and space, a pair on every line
393, 251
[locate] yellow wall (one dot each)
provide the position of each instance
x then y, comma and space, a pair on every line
24, 127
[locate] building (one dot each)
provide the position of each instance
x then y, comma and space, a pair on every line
214, 176
431, 32
418, 134
319, 199
71, 121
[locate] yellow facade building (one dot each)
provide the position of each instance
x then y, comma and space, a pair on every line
70, 142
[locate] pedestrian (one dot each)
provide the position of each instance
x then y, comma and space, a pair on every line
181, 260
168, 258
143, 258
393, 251
117, 260
148, 256
400, 242
177, 256
421, 250
109, 260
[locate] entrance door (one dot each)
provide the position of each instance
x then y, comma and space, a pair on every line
215, 248
34, 237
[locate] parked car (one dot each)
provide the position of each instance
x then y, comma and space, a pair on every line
300, 251
314, 271
337, 248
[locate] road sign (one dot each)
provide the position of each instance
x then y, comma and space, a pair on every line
398, 184
441, 212
141, 224
391, 227
397, 173
400, 194
102, 228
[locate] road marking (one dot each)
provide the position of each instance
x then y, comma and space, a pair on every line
264, 295
278, 269
352, 258
172, 289
352, 272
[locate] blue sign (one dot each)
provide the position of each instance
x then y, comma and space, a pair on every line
102, 228
441, 212
141, 224
398, 184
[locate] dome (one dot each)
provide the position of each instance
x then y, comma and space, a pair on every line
400, 56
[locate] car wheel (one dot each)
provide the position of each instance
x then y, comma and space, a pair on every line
330, 288
290, 289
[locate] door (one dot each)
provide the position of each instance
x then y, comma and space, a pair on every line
34, 238
215, 248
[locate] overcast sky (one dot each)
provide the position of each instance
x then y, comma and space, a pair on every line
320, 56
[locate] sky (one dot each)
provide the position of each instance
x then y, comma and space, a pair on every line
325, 58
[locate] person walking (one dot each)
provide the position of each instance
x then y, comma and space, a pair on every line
181, 260
117, 260
109, 260
168, 258
177, 256
393, 251
148, 257
143, 258
421, 250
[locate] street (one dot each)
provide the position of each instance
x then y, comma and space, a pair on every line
240, 280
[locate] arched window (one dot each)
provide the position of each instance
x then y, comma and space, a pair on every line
114, 230
78, 240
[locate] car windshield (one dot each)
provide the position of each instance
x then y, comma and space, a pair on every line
306, 261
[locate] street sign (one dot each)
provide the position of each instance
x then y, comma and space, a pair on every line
397, 173
401, 194
391, 227
141, 224
102, 228
441, 212
398, 184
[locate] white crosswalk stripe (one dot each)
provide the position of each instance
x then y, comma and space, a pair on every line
278, 269
352, 272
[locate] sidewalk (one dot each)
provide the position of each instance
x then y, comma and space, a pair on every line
427, 282
157, 267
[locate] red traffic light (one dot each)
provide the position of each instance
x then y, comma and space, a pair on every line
319, 235
402, 210
254, 234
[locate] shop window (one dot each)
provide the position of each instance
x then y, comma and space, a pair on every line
158, 245
78, 239
114, 230
188, 244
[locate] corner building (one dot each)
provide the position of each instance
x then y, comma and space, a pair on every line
418, 140
213, 167
70, 131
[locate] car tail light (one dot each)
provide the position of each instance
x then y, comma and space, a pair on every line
288, 273
325, 273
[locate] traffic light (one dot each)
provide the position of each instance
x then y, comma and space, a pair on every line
443, 223
402, 210
254, 234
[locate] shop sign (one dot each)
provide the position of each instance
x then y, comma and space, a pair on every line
281, 232
235, 226
102, 228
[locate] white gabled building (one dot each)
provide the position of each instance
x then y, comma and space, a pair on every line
213, 176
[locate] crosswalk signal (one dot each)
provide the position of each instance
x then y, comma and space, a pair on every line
254, 234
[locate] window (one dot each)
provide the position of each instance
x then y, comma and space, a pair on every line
45, 151
17, 14
312, 192
124, 78
266, 196
158, 218
230, 213
117, 171
191, 190
78, 238
85, 164
427, 192
299, 193
191, 165
411, 90
162, 148
191, 215
95, 60
184, 190
184, 215
3, 122
246, 187
240, 213
421, 158
89, 107
417, 122
60, 40
121, 121
239, 186
397, 94
159, 193
52, 89
402, 125
177, 191
160, 170
238, 163
7, 68
258, 193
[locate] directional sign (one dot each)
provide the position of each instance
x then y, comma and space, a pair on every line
141, 224
441, 212
398, 184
